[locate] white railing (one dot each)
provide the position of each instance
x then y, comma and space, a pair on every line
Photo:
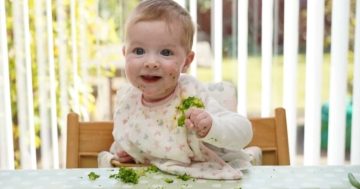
49, 120
291, 28
355, 122
6, 133
314, 60
338, 78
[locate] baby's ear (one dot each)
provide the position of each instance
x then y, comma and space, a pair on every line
188, 61
123, 50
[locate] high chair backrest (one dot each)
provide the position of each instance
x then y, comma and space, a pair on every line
270, 134
86, 139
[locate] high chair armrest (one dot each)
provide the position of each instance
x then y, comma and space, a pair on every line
116, 163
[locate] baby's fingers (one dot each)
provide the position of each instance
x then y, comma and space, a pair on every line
124, 157
190, 125
122, 154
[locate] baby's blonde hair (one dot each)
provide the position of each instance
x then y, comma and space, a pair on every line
164, 10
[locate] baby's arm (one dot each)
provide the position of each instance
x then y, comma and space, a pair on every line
229, 130
105, 157
116, 152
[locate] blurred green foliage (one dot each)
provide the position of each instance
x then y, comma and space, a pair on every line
94, 25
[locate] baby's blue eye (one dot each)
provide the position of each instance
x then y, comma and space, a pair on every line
166, 53
139, 51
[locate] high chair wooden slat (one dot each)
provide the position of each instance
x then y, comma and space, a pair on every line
270, 134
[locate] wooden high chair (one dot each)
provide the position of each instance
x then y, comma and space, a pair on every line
270, 134
85, 140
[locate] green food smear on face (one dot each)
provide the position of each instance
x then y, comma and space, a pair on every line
185, 105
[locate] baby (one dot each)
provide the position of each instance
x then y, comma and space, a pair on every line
159, 38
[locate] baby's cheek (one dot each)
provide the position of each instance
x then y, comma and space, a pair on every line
173, 76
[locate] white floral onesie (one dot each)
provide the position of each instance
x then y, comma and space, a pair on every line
152, 135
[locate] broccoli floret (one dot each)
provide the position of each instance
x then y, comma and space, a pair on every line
93, 176
152, 169
130, 175
185, 105
140, 172
168, 180
127, 175
183, 177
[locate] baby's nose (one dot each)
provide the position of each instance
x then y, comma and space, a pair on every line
151, 64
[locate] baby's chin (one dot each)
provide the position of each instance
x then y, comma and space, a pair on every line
157, 93
153, 96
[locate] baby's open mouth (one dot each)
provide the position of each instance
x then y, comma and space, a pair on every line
148, 78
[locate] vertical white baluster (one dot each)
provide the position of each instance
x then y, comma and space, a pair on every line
193, 13
6, 134
355, 123
217, 37
314, 61
83, 59
53, 109
24, 85
20, 85
74, 55
266, 49
242, 55
29, 87
121, 20
291, 37
43, 85
181, 2
100, 98
338, 81
62, 60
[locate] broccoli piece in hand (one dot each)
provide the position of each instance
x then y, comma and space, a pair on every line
93, 176
185, 105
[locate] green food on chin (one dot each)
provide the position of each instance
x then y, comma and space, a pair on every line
185, 105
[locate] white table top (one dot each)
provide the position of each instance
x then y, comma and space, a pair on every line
254, 177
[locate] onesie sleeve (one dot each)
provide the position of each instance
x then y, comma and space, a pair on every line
230, 130
105, 157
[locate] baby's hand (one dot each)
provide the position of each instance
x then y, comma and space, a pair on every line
124, 157
199, 121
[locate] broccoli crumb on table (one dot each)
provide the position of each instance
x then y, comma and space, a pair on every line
132, 175
93, 176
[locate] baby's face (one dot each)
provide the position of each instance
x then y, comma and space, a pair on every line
155, 57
